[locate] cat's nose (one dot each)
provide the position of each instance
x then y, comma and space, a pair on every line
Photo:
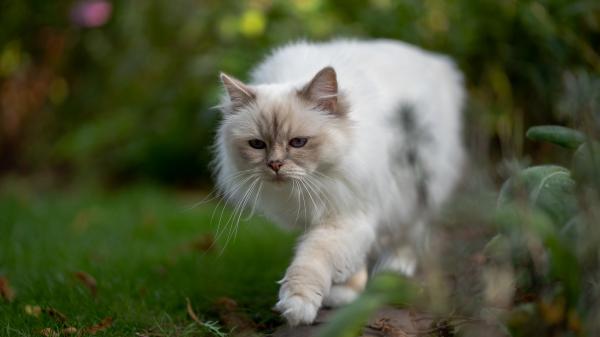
275, 165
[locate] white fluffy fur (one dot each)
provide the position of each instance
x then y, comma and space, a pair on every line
365, 203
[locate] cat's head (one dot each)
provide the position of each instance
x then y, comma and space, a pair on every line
284, 131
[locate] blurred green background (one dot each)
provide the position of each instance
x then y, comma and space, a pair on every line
122, 90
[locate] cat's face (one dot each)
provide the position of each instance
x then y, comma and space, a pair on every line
283, 133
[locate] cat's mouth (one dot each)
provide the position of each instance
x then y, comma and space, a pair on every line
279, 178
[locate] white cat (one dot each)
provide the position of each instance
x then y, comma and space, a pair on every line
358, 142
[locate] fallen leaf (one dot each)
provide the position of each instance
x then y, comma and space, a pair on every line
48, 332
204, 243
55, 314
191, 313
226, 303
443, 328
387, 329
103, 325
33, 310
553, 312
70, 330
88, 281
233, 318
6, 292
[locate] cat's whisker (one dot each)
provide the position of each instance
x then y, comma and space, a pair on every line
322, 187
248, 180
247, 199
244, 176
216, 193
232, 223
305, 212
227, 197
323, 175
303, 183
255, 202
319, 190
302, 198
214, 210
292, 193
298, 199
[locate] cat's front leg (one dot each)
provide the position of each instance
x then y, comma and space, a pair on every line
329, 253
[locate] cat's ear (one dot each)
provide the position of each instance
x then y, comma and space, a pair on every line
323, 90
239, 93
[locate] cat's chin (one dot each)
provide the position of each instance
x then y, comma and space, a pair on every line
279, 179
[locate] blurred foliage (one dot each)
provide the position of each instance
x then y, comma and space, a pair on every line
537, 276
384, 288
124, 89
558, 135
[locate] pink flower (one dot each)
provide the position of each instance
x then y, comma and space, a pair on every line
91, 13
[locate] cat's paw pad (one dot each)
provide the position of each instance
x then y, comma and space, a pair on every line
340, 295
297, 310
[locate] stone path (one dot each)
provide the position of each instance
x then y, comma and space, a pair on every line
392, 322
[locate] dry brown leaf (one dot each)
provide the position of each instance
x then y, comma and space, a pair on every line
238, 322
226, 303
88, 281
387, 329
191, 312
232, 317
443, 328
48, 332
6, 292
204, 243
70, 330
33, 310
103, 325
55, 314
553, 312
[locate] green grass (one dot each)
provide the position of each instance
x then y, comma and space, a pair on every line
138, 245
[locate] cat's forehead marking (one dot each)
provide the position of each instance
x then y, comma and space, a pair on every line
275, 131
275, 122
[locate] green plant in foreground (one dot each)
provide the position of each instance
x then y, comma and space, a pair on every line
545, 228
554, 207
384, 289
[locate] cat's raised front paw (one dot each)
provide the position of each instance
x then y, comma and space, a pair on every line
297, 310
301, 294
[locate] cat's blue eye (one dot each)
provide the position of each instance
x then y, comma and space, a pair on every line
298, 142
257, 144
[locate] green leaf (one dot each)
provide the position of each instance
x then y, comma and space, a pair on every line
558, 135
498, 247
564, 265
349, 321
397, 288
547, 187
385, 288
586, 163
